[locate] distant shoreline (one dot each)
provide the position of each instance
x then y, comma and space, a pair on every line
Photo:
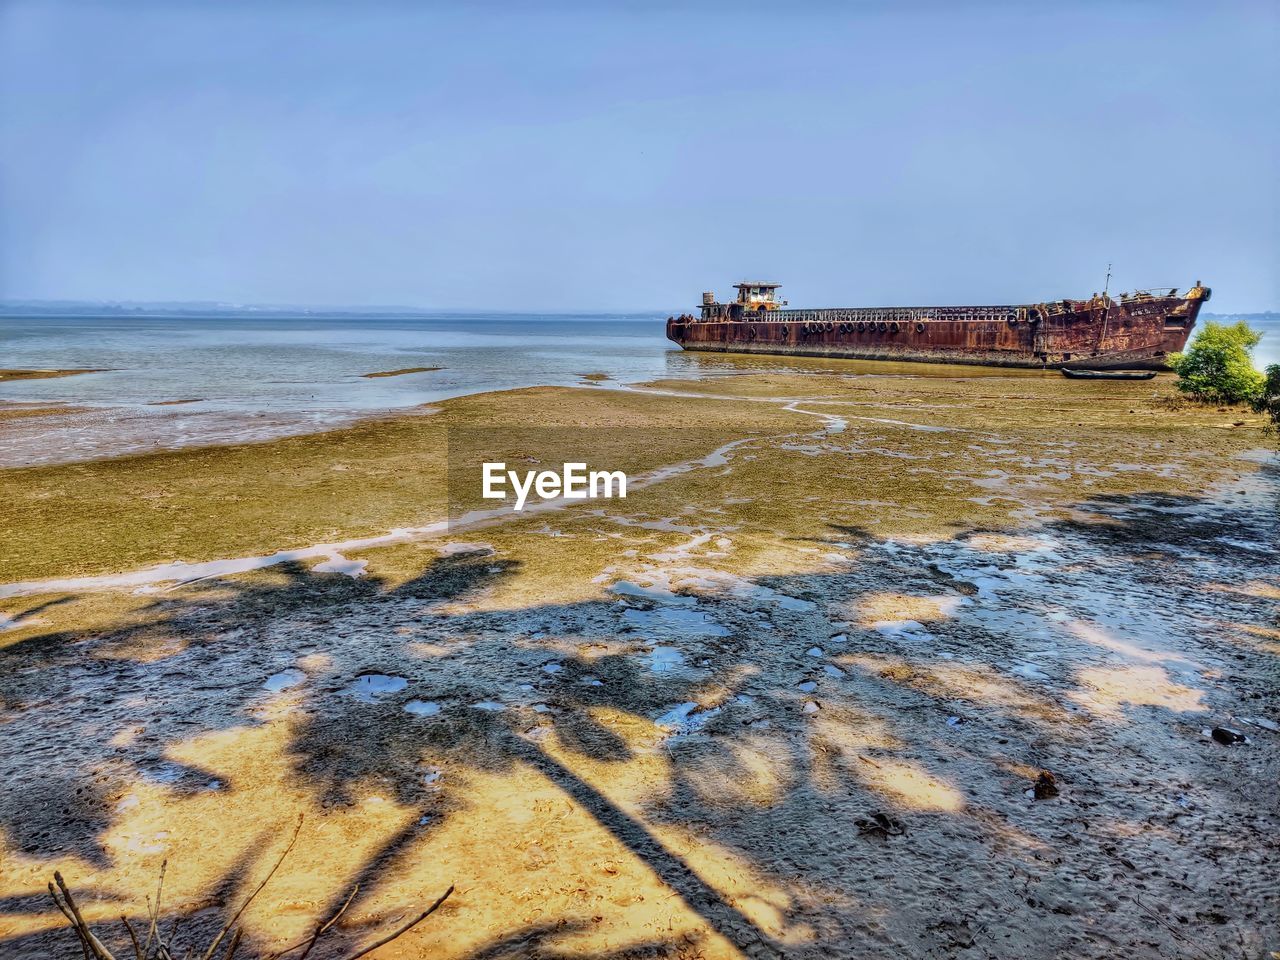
79, 310
312, 313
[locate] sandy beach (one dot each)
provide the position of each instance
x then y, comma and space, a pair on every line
639, 481
789, 698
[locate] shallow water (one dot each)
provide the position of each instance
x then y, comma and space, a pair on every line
314, 364
284, 680
675, 621
372, 687
686, 718
422, 708
665, 659
177, 381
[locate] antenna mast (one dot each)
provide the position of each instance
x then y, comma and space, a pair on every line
1106, 306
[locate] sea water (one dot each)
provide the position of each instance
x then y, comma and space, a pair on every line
173, 381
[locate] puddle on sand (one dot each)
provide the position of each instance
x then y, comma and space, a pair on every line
492, 706
907, 629
784, 601
656, 592
704, 580
337, 563
675, 620
372, 687
422, 708
665, 659
685, 719
283, 680
164, 773
1029, 671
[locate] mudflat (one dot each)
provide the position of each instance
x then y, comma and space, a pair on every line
791, 697
14, 374
24, 411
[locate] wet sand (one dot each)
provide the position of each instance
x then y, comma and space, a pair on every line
71, 434
664, 726
24, 411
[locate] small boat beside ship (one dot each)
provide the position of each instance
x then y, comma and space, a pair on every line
1134, 331
1108, 374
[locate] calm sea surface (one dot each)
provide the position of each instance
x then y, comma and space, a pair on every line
174, 381
179, 380
311, 364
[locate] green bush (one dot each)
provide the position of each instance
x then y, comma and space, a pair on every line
1218, 368
1268, 399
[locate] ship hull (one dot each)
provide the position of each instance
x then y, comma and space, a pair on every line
1097, 334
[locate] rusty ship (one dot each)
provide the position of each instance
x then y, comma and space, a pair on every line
1134, 331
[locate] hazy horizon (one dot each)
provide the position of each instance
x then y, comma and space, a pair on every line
154, 308
580, 157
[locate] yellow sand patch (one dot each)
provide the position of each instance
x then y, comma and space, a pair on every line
876, 608
1099, 637
975, 683
911, 786
1111, 689
745, 774
1263, 589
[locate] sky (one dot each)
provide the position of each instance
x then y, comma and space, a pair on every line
627, 156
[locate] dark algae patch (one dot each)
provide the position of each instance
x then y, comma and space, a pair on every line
405, 371
19, 374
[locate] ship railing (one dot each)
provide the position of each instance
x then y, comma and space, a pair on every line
887, 314
1150, 293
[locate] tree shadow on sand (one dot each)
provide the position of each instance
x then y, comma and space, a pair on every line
774, 787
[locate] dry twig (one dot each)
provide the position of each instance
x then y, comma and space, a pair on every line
257, 890
406, 928
155, 947
321, 927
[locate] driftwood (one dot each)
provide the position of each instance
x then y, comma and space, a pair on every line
158, 947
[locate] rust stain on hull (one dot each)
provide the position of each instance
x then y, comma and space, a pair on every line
1135, 331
